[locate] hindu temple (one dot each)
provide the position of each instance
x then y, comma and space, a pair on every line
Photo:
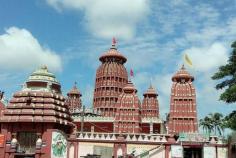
40, 122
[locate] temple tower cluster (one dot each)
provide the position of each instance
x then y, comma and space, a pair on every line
111, 77
183, 114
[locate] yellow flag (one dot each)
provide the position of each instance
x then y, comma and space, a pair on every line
187, 60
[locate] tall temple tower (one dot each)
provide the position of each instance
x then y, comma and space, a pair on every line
128, 114
73, 100
183, 114
150, 106
111, 77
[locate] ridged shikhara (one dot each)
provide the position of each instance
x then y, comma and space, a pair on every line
111, 77
128, 115
73, 99
183, 114
150, 105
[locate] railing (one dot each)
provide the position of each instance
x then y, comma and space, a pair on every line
94, 119
128, 137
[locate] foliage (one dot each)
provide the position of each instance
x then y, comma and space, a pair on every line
230, 120
214, 122
227, 74
206, 124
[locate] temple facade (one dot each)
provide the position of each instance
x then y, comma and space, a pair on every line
183, 111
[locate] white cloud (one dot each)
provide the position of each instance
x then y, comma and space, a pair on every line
208, 58
174, 27
108, 18
20, 50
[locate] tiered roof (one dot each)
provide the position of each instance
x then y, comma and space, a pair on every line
40, 100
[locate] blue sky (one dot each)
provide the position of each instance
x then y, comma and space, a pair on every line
70, 35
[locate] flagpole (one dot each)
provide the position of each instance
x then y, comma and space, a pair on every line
131, 75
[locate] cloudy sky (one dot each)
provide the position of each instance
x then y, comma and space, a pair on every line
70, 35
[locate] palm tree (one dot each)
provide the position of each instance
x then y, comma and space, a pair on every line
224, 126
206, 124
214, 122
217, 122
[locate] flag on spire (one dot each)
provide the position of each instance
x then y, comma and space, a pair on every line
131, 73
113, 41
187, 60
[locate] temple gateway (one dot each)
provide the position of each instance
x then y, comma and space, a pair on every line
39, 122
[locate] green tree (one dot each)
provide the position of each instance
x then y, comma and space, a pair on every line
206, 124
230, 120
227, 75
214, 122
217, 122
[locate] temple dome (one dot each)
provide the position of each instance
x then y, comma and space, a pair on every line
129, 88
150, 91
74, 91
42, 80
182, 74
112, 53
42, 74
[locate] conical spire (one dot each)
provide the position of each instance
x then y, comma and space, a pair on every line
150, 105
74, 101
150, 91
74, 91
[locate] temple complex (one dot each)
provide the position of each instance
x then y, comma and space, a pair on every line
183, 112
39, 122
